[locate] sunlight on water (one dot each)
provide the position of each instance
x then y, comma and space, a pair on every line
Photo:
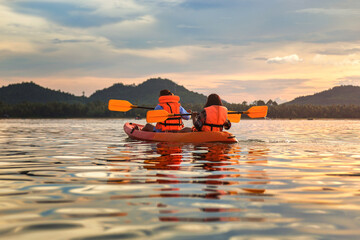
84, 179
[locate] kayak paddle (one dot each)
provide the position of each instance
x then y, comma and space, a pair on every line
123, 106
253, 112
235, 118
160, 115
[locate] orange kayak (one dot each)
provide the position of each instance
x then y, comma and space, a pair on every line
190, 137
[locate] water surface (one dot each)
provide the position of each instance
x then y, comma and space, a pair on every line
84, 179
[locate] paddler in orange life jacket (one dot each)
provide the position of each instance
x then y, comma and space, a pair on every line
213, 117
170, 103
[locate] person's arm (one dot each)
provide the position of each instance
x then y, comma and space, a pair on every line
183, 111
198, 120
158, 107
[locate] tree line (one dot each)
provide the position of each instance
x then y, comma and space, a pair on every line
100, 110
63, 110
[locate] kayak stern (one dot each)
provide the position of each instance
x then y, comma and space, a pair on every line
189, 137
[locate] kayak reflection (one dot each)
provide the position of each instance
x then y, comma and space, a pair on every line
225, 163
208, 172
226, 173
169, 159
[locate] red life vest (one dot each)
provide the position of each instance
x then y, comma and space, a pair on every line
170, 103
216, 116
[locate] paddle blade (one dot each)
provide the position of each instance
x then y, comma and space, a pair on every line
257, 112
154, 116
235, 118
119, 105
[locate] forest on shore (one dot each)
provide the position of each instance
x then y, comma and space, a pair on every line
29, 100
99, 109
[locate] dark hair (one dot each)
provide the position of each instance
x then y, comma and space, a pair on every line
213, 99
165, 92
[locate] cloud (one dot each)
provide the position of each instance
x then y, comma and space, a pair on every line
187, 26
276, 85
331, 11
287, 59
350, 80
339, 51
201, 5
178, 54
82, 14
59, 41
351, 62
240, 90
191, 39
194, 22
335, 60
260, 59
339, 35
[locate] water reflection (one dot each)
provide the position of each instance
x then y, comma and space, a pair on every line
226, 162
211, 172
170, 157
84, 180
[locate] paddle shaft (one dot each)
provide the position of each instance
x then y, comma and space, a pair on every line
149, 108
240, 112
186, 114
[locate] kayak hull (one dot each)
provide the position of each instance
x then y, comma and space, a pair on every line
190, 137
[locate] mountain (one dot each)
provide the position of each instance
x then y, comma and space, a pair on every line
144, 93
340, 95
147, 92
31, 92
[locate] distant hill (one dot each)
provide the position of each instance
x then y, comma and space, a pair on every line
144, 93
147, 92
340, 95
31, 92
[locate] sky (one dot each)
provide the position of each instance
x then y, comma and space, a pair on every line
244, 50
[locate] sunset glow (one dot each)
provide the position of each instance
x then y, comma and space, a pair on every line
242, 50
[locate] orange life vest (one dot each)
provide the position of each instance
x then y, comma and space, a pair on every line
170, 104
216, 116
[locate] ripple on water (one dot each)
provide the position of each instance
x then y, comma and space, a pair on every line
51, 226
90, 212
84, 179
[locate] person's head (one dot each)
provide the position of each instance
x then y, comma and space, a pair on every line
213, 99
165, 92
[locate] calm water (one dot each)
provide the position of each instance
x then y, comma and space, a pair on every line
83, 179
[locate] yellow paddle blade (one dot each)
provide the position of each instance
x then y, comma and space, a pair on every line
120, 105
257, 112
235, 118
154, 116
